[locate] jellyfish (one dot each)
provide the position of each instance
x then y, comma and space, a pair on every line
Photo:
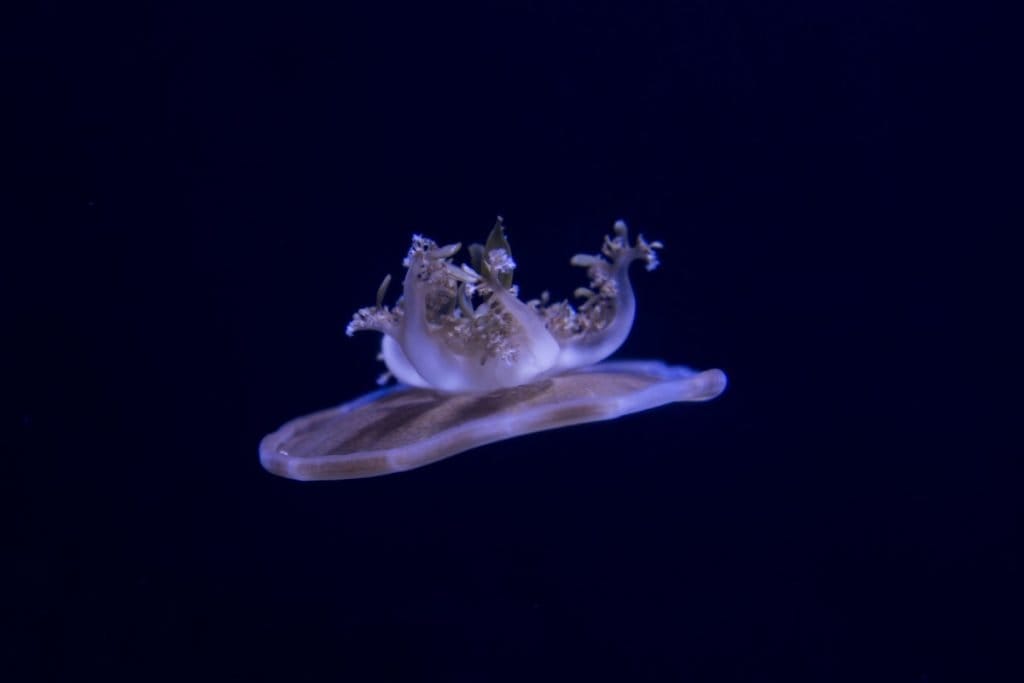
475, 364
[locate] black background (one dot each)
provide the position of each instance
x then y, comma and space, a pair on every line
201, 195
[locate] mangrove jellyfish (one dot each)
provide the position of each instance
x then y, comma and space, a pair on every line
474, 364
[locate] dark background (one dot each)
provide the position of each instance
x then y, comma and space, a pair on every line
200, 196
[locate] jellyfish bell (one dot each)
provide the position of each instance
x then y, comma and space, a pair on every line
400, 428
475, 364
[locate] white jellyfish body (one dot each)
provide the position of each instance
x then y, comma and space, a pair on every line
475, 364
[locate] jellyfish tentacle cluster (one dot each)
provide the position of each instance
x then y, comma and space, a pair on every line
464, 328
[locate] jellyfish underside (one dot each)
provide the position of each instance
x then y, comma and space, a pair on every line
477, 365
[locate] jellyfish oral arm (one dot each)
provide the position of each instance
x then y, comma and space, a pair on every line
610, 305
398, 365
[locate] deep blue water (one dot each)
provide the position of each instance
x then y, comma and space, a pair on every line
204, 195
